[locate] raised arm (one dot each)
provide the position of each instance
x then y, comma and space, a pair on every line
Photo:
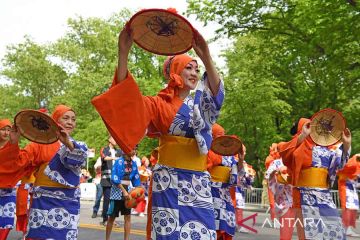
202, 50
124, 45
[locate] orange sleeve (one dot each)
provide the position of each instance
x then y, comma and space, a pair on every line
9, 161
128, 114
21, 200
121, 107
30, 153
342, 193
286, 151
296, 157
351, 169
13, 165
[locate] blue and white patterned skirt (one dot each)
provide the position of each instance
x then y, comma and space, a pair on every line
54, 213
7, 207
182, 205
224, 208
320, 215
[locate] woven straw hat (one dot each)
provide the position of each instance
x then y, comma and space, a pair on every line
161, 31
327, 126
226, 145
36, 126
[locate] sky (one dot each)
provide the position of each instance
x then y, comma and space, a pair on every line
46, 20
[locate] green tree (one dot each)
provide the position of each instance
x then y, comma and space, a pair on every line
254, 108
89, 53
73, 70
32, 73
308, 49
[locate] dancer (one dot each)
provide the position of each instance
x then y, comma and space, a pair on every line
9, 176
313, 170
181, 192
224, 171
245, 180
282, 192
349, 200
55, 207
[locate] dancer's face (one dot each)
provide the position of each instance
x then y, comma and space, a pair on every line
5, 133
68, 121
190, 75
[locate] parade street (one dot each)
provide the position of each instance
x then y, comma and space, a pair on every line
90, 228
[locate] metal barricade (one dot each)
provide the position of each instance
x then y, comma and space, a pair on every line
253, 197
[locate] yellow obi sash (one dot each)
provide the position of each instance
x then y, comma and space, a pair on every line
220, 174
281, 179
313, 177
181, 152
28, 179
44, 181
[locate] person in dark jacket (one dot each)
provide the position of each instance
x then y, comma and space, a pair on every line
108, 156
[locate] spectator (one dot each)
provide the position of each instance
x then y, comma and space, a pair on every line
99, 191
124, 174
108, 156
136, 159
145, 173
85, 176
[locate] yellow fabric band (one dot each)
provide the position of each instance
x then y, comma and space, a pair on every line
281, 179
313, 177
181, 152
44, 181
220, 174
28, 179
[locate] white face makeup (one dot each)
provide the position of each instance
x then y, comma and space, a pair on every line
190, 75
68, 121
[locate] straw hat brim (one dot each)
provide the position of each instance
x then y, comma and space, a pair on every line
161, 31
36, 126
226, 145
327, 127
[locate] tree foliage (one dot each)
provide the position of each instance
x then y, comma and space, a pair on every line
290, 58
32, 74
73, 70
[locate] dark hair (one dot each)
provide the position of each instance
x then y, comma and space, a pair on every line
293, 129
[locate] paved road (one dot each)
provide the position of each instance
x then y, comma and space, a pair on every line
90, 229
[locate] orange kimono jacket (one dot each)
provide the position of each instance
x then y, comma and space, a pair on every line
351, 171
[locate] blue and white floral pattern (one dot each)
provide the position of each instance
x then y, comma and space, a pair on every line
65, 167
184, 196
54, 212
7, 207
197, 115
223, 205
317, 203
282, 192
352, 198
